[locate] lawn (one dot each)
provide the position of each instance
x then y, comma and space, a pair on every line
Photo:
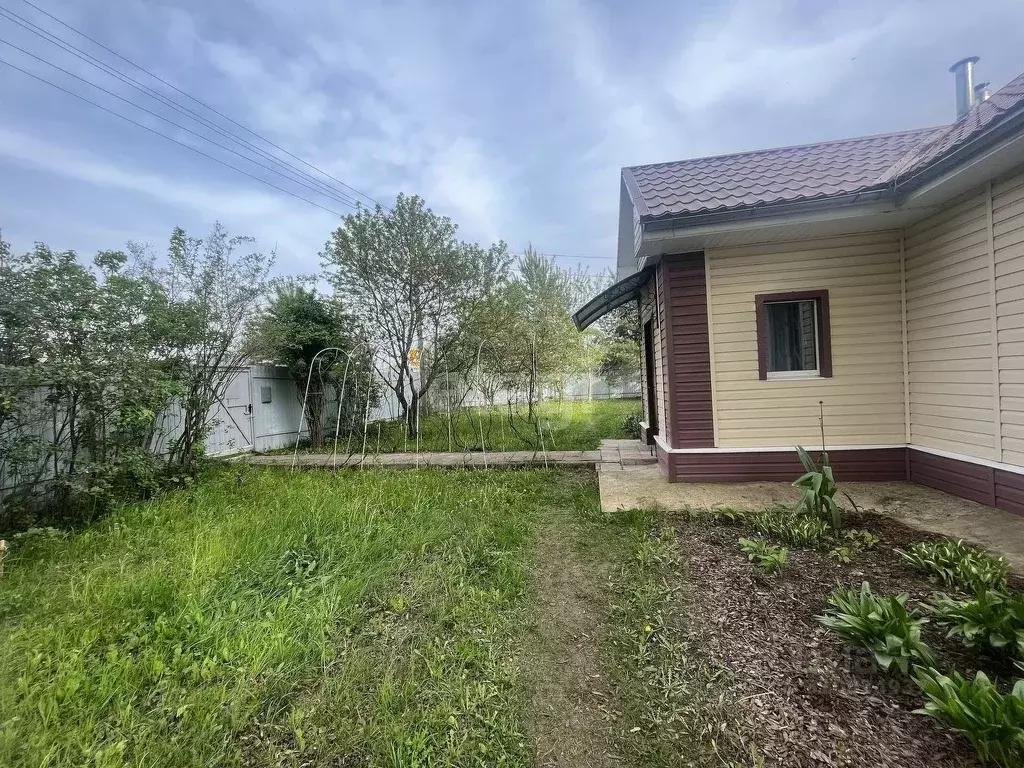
568, 425
263, 617
469, 618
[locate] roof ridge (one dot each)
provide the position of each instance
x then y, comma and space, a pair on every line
807, 145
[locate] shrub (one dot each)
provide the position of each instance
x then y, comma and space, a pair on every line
631, 426
819, 489
958, 565
992, 721
993, 619
792, 527
883, 625
766, 556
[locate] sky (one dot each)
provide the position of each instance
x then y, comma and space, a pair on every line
511, 118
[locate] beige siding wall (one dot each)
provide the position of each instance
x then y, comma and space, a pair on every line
1008, 254
864, 400
949, 330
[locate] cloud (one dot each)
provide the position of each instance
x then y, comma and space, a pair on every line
271, 218
772, 54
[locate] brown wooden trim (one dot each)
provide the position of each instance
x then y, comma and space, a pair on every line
824, 329
746, 466
689, 357
667, 354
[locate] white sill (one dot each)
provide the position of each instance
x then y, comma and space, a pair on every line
794, 375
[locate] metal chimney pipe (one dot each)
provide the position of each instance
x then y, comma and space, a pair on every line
982, 93
963, 71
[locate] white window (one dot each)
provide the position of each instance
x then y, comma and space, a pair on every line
792, 339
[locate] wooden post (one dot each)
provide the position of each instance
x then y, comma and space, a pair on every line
3, 551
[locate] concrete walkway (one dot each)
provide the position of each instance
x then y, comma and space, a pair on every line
415, 460
613, 455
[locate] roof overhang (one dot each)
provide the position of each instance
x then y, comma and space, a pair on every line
965, 170
611, 298
805, 224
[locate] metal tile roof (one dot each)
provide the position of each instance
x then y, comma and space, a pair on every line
987, 114
807, 172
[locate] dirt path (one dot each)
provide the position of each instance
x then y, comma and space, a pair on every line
572, 703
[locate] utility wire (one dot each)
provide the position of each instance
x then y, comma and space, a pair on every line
199, 102
165, 136
330, 191
176, 125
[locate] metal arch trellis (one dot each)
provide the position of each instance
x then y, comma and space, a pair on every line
305, 398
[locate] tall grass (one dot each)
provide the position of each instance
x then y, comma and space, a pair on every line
261, 617
569, 425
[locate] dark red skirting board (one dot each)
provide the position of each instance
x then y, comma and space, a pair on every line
966, 480
744, 466
995, 487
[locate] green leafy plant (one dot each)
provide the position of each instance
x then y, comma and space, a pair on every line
819, 489
860, 537
882, 625
992, 721
729, 515
792, 527
994, 619
957, 565
843, 554
631, 426
767, 557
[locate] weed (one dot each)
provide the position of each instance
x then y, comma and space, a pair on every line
882, 625
678, 706
769, 558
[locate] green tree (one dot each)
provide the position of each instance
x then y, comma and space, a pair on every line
298, 325
413, 286
81, 384
620, 355
214, 289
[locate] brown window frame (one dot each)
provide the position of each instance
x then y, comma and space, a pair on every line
824, 329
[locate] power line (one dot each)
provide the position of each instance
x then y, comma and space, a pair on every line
146, 90
199, 102
176, 125
165, 136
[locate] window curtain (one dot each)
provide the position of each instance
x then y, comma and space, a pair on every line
792, 336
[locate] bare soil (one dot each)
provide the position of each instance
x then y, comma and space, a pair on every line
808, 697
571, 707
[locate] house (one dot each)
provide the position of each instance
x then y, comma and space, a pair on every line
882, 277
